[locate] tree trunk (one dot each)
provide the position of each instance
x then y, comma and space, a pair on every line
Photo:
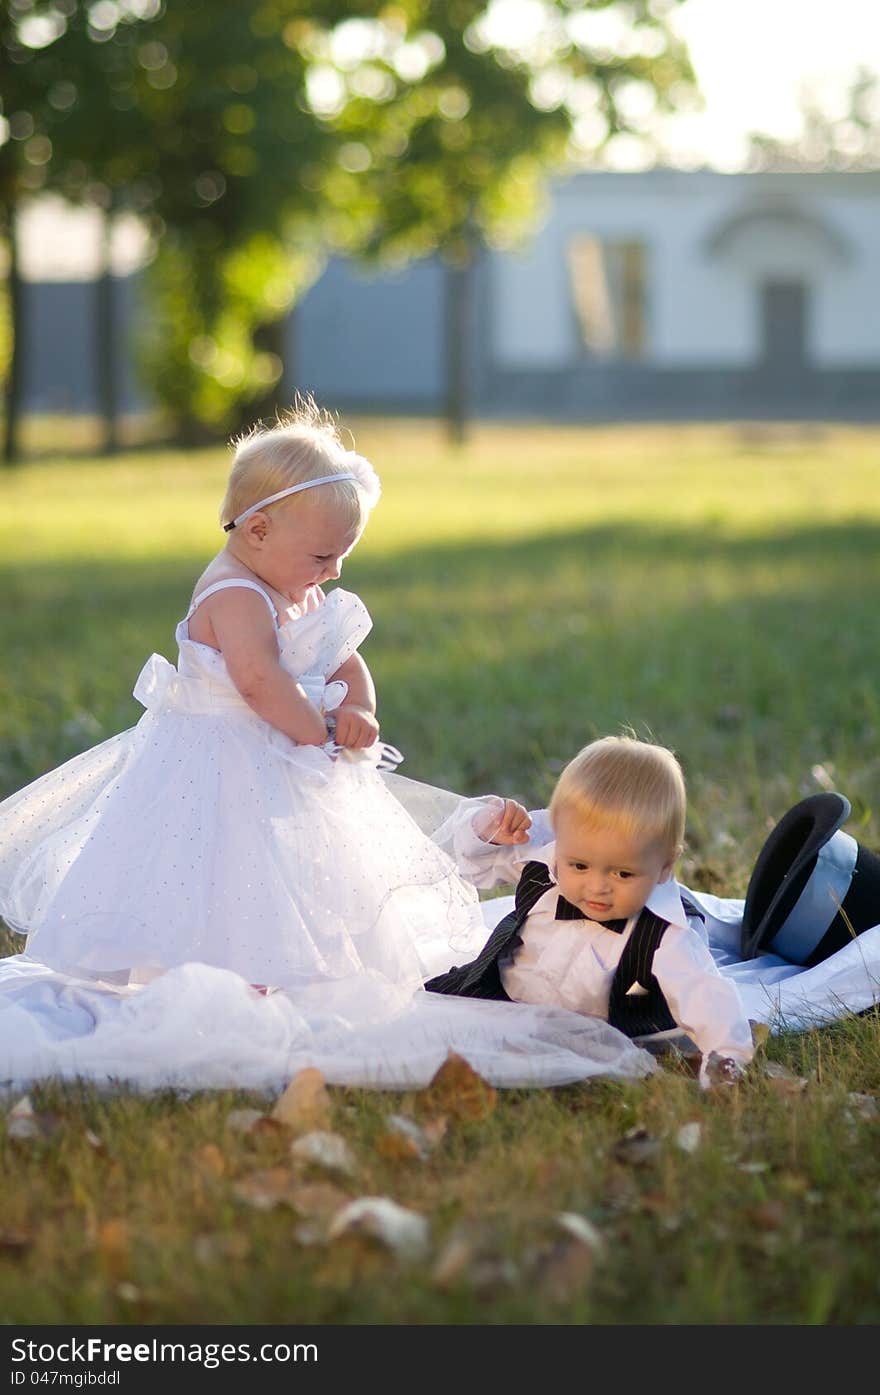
105, 342
457, 348
12, 390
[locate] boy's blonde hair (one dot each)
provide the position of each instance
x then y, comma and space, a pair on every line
634, 786
304, 445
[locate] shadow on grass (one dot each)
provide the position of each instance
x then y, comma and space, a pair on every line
753, 655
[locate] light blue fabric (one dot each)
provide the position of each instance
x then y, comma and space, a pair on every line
819, 901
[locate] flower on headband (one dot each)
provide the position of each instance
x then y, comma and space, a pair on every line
365, 476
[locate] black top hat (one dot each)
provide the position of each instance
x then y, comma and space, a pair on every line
813, 886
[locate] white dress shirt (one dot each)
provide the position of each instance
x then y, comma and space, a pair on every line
571, 963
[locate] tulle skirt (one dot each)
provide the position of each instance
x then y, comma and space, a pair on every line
215, 839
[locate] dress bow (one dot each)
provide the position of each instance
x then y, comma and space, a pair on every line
158, 682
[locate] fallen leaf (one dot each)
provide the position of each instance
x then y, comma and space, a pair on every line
15, 1242
327, 1150
305, 1103
637, 1147
768, 1215
660, 1206
545, 1173
210, 1159
243, 1120
21, 1121
862, 1106
404, 1232
317, 1203
23, 1128
455, 1259
794, 1183
113, 1246
760, 1034
458, 1091
687, 1137
274, 1186
221, 1247
435, 1130
581, 1229
405, 1140
782, 1080
564, 1269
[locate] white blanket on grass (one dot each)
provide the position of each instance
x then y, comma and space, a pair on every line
197, 1026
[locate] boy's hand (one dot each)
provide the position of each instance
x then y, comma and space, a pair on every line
504, 823
720, 1071
356, 727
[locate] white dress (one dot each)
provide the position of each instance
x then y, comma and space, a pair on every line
203, 833
164, 873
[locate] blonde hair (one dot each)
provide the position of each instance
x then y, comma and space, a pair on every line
304, 445
636, 787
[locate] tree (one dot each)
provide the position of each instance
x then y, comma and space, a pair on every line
454, 116
25, 149
257, 135
184, 114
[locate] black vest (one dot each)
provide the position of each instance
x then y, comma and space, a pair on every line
633, 1014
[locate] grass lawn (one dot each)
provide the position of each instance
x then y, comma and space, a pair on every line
715, 587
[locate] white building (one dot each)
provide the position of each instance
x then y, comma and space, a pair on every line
659, 293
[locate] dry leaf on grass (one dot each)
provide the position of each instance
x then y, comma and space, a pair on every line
317, 1203
305, 1103
243, 1120
471, 1255
862, 1106
687, 1138
637, 1148
782, 1080
21, 1122
458, 1091
209, 1159
661, 1207
455, 1260
221, 1247
564, 1269
404, 1232
577, 1226
768, 1215
130, 1294
327, 1150
14, 1243
405, 1140
113, 1247
271, 1187
760, 1034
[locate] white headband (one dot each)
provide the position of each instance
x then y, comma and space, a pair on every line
362, 473
282, 494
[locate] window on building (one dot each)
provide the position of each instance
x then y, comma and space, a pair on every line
608, 293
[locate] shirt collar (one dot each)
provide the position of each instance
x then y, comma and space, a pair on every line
664, 900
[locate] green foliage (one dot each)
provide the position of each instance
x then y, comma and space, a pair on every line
256, 136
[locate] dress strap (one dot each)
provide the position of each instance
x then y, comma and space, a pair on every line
223, 585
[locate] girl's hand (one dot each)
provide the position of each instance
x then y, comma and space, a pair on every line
356, 727
504, 823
